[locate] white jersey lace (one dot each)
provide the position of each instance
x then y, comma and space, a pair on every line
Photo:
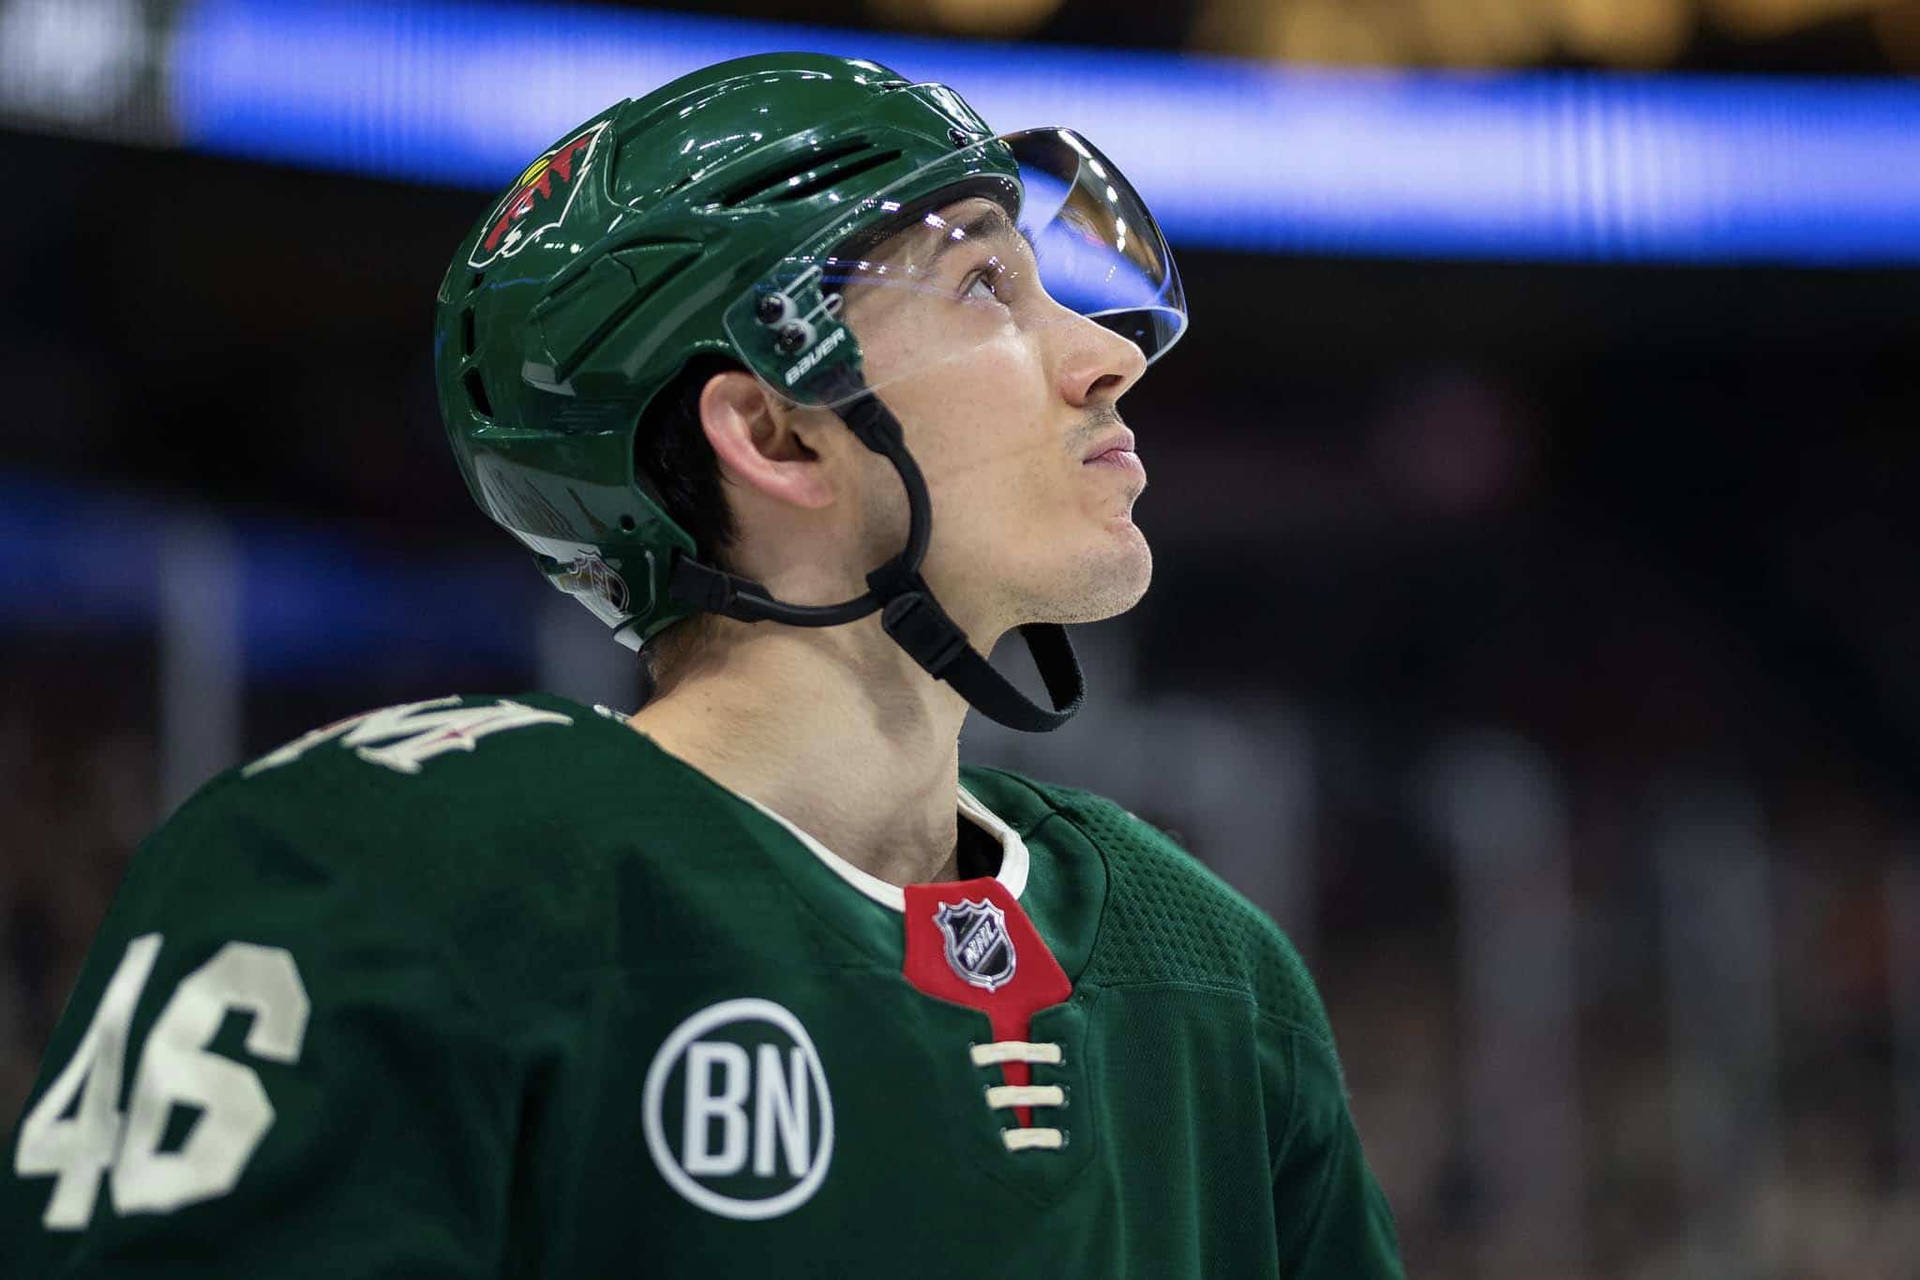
1002, 1096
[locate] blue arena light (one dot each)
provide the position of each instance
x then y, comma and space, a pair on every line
312, 600
1232, 155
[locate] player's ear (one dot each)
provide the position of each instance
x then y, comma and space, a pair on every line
763, 442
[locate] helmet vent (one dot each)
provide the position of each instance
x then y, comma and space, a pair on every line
808, 175
466, 332
477, 394
827, 179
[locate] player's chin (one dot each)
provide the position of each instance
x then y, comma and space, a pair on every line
1110, 579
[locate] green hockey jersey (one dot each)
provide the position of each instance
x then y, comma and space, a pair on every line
493, 987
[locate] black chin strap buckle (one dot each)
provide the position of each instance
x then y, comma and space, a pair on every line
920, 626
713, 591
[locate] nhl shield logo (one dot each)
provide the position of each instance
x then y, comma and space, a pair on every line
977, 944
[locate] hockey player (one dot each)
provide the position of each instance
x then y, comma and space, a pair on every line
758, 981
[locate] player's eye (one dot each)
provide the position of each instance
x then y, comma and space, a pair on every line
986, 283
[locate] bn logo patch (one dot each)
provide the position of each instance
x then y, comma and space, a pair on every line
977, 944
738, 1117
539, 201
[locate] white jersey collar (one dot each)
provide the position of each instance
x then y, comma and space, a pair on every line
1013, 850
1013, 854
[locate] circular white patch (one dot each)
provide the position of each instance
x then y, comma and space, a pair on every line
697, 1033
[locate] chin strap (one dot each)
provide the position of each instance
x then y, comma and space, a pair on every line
919, 625
908, 611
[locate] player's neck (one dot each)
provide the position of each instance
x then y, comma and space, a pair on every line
836, 730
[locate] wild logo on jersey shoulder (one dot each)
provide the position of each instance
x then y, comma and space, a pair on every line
400, 738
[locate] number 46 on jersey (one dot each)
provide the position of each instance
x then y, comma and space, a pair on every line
76, 1132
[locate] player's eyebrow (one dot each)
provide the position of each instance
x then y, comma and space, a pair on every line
991, 223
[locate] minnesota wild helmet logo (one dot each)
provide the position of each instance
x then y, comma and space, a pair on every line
977, 944
539, 201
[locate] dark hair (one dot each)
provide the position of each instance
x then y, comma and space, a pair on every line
676, 464
677, 467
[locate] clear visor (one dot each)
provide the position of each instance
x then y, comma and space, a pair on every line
1028, 238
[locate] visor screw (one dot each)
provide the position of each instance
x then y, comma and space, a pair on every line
959, 137
772, 308
791, 337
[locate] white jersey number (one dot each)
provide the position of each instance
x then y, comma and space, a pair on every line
175, 1070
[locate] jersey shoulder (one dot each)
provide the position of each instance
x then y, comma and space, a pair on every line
458, 820
458, 770
1168, 917
472, 743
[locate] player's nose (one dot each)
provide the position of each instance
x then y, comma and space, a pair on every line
1095, 363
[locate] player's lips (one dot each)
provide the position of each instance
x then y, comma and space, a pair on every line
1115, 450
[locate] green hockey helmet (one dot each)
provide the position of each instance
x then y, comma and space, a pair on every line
771, 210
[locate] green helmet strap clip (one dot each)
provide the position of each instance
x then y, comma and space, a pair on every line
909, 612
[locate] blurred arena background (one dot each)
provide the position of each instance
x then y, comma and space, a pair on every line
1536, 630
